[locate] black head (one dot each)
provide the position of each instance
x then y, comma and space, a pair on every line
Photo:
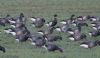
97, 42
2, 49
55, 15
21, 15
72, 15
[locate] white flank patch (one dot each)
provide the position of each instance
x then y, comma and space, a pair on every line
79, 18
74, 24
63, 22
12, 21
50, 23
33, 25
93, 19
47, 24
7, 31
71, 38
90, 34
33, 43
13, 33
93, 24
58, 29
30, 39
33, 19
94, 28
70, 32
46, 39
45, 47
84, 46
13, 26
40, 33
17, 40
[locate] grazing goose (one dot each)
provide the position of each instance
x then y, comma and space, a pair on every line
52, 23
75, 31
2, 49
77, 37
63, 28
8, 30
3, 21
89, 44
39, 22
37, 40
52, 47
80, 23
47, 31
68, 21
94, 33
52, 37
12, 21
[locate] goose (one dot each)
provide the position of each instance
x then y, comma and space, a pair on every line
47, 31
52, 23
63, 28
8, 30
94, 33
89, 44
23, 36
52, 47
52, 37
75, 31
39, 22
37, 40
77, 37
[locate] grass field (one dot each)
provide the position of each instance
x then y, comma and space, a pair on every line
46, 9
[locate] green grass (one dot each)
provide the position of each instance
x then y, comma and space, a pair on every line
46, 9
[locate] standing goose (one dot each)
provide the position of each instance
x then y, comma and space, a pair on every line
52, 23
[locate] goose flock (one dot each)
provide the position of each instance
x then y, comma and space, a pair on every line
45, 37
